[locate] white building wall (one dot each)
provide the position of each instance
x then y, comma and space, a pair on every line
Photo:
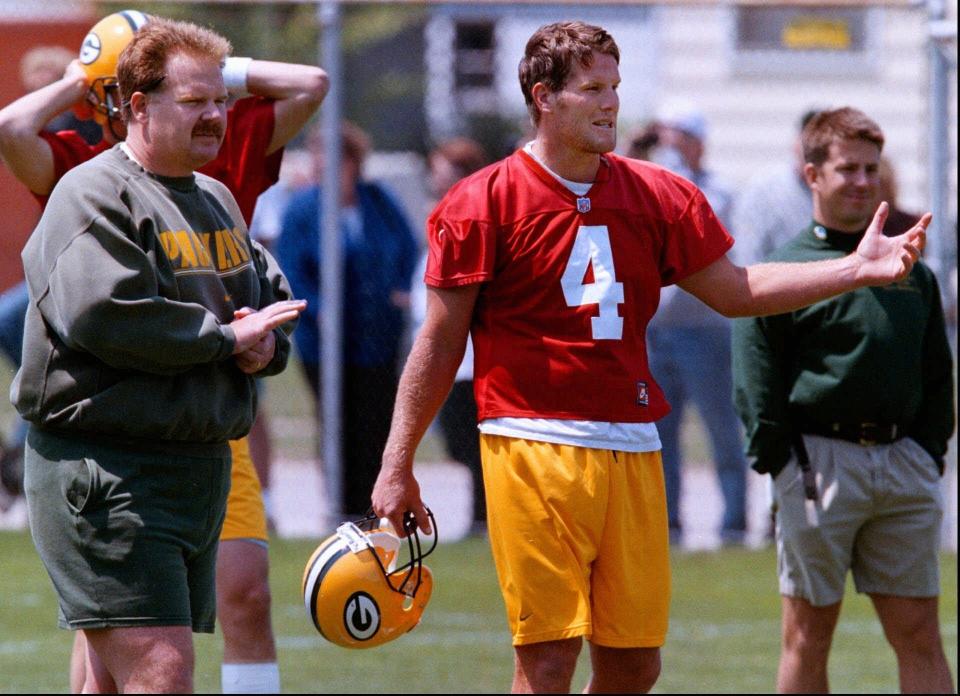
633, 29
753, 118
686, 52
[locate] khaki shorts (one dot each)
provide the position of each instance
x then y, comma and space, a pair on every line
878, 515
129, 538
579, 539
246, 517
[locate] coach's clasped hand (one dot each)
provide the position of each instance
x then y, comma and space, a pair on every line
250, 325
253, 331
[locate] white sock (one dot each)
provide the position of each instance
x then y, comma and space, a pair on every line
259, 678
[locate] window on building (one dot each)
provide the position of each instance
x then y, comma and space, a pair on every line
474, 51
804, 39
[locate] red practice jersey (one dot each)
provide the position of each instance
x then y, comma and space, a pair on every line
570, 283
242, 163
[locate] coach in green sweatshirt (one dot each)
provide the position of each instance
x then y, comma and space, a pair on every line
135, 278
848, 403
151, 311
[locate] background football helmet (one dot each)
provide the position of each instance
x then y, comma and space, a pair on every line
353, 590
99, 53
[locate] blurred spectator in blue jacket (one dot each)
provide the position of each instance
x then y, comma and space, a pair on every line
379, 255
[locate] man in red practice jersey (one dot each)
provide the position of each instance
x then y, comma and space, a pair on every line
553, 259
277, 100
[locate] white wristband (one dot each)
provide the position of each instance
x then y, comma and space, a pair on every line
235, 74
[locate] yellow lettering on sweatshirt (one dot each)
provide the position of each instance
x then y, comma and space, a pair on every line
222, 250
187, 250
201, 248
227, 254
206, 242
241, 243
170, 246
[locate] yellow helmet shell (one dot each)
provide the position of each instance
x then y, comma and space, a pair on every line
99, 54
354, 595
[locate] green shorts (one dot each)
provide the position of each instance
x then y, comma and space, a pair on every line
878, 516
129, 538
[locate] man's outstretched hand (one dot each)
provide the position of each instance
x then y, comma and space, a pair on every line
884, 260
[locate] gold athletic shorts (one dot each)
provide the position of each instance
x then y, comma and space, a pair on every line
246, 517
579, 539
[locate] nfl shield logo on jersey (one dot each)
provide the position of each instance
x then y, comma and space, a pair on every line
583, 205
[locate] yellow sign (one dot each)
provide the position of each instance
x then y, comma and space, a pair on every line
816, 33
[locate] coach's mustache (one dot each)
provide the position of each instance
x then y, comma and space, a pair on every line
215, 129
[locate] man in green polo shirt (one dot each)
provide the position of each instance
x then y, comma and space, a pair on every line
848, 404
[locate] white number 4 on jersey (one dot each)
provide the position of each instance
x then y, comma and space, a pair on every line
592, 246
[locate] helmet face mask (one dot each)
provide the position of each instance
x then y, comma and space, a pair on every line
356, 590
104, 97
408, 578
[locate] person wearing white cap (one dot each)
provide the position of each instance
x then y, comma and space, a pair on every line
683, 136
690, 344
768, 206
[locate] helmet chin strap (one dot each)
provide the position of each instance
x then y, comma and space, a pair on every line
110, 126
107, 114
112, 119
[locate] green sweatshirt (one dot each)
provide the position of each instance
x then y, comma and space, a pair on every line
875, 355
133, 280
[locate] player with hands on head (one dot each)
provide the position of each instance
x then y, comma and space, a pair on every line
553, 259
282, 98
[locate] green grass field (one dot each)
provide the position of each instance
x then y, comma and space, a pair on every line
723, 637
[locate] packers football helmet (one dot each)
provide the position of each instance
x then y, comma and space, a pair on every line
353, 590
99, 54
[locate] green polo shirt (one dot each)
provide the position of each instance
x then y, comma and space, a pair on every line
876, 354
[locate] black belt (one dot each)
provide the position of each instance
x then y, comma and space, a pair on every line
865, 434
